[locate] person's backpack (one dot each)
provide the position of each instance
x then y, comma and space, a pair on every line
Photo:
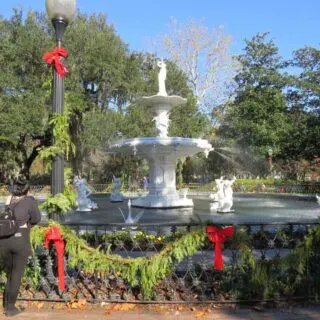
8, 222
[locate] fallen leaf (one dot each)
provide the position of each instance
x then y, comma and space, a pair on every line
40, 305
124, 307
200, 314
82, 302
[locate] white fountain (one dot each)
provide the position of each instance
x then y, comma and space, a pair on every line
162, 151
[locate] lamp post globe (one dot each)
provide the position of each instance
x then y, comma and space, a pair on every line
61, 9
61, 13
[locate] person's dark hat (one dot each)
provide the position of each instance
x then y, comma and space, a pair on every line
19, 187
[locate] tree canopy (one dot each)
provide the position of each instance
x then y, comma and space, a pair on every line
100, 91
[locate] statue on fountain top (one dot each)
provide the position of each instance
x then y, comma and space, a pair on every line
162, 78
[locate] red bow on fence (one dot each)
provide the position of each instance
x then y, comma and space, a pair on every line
54, 58
53, 234
218, 236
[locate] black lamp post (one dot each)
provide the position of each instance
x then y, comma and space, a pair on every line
61, 13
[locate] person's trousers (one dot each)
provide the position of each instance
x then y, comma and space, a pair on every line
14, 253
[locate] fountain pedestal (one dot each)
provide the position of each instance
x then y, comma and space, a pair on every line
162, 187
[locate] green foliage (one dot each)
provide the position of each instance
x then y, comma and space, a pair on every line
258, 116
272, 108
149, 269
62, 142
307, 83
61, 203
303, 95
285, 275
22, 95
256, 278
32, 272
251, 185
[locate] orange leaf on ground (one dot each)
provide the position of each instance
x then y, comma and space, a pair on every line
40, 305
124, 307
77, 304
201, 314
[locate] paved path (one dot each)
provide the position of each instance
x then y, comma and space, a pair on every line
312, 312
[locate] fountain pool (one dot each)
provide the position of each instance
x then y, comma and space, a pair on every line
249, 208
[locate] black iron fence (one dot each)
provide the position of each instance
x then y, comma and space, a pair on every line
262, 261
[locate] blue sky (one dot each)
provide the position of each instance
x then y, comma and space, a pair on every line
293, 24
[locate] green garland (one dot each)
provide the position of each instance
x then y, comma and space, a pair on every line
62, 145
148, 270
261, 281
61, 203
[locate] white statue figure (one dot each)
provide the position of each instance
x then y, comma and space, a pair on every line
226, 203
83, 193
129, 219
219, 194
162, 124
116, 195
162, 78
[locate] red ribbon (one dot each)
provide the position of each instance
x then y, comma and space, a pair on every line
53, 234
218, 236
54, 57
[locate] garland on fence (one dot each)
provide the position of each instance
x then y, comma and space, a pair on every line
149, 270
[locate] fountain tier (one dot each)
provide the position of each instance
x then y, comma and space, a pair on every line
161, 154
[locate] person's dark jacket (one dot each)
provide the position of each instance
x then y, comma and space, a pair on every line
26, 211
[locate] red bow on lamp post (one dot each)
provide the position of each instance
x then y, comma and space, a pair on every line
53, 234
54, 58
218, 236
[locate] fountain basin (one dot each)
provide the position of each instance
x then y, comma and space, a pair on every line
149, 146
249, 209
162, 154
165, 103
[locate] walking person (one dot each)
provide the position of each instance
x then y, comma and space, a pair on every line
145, 183
15, 250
